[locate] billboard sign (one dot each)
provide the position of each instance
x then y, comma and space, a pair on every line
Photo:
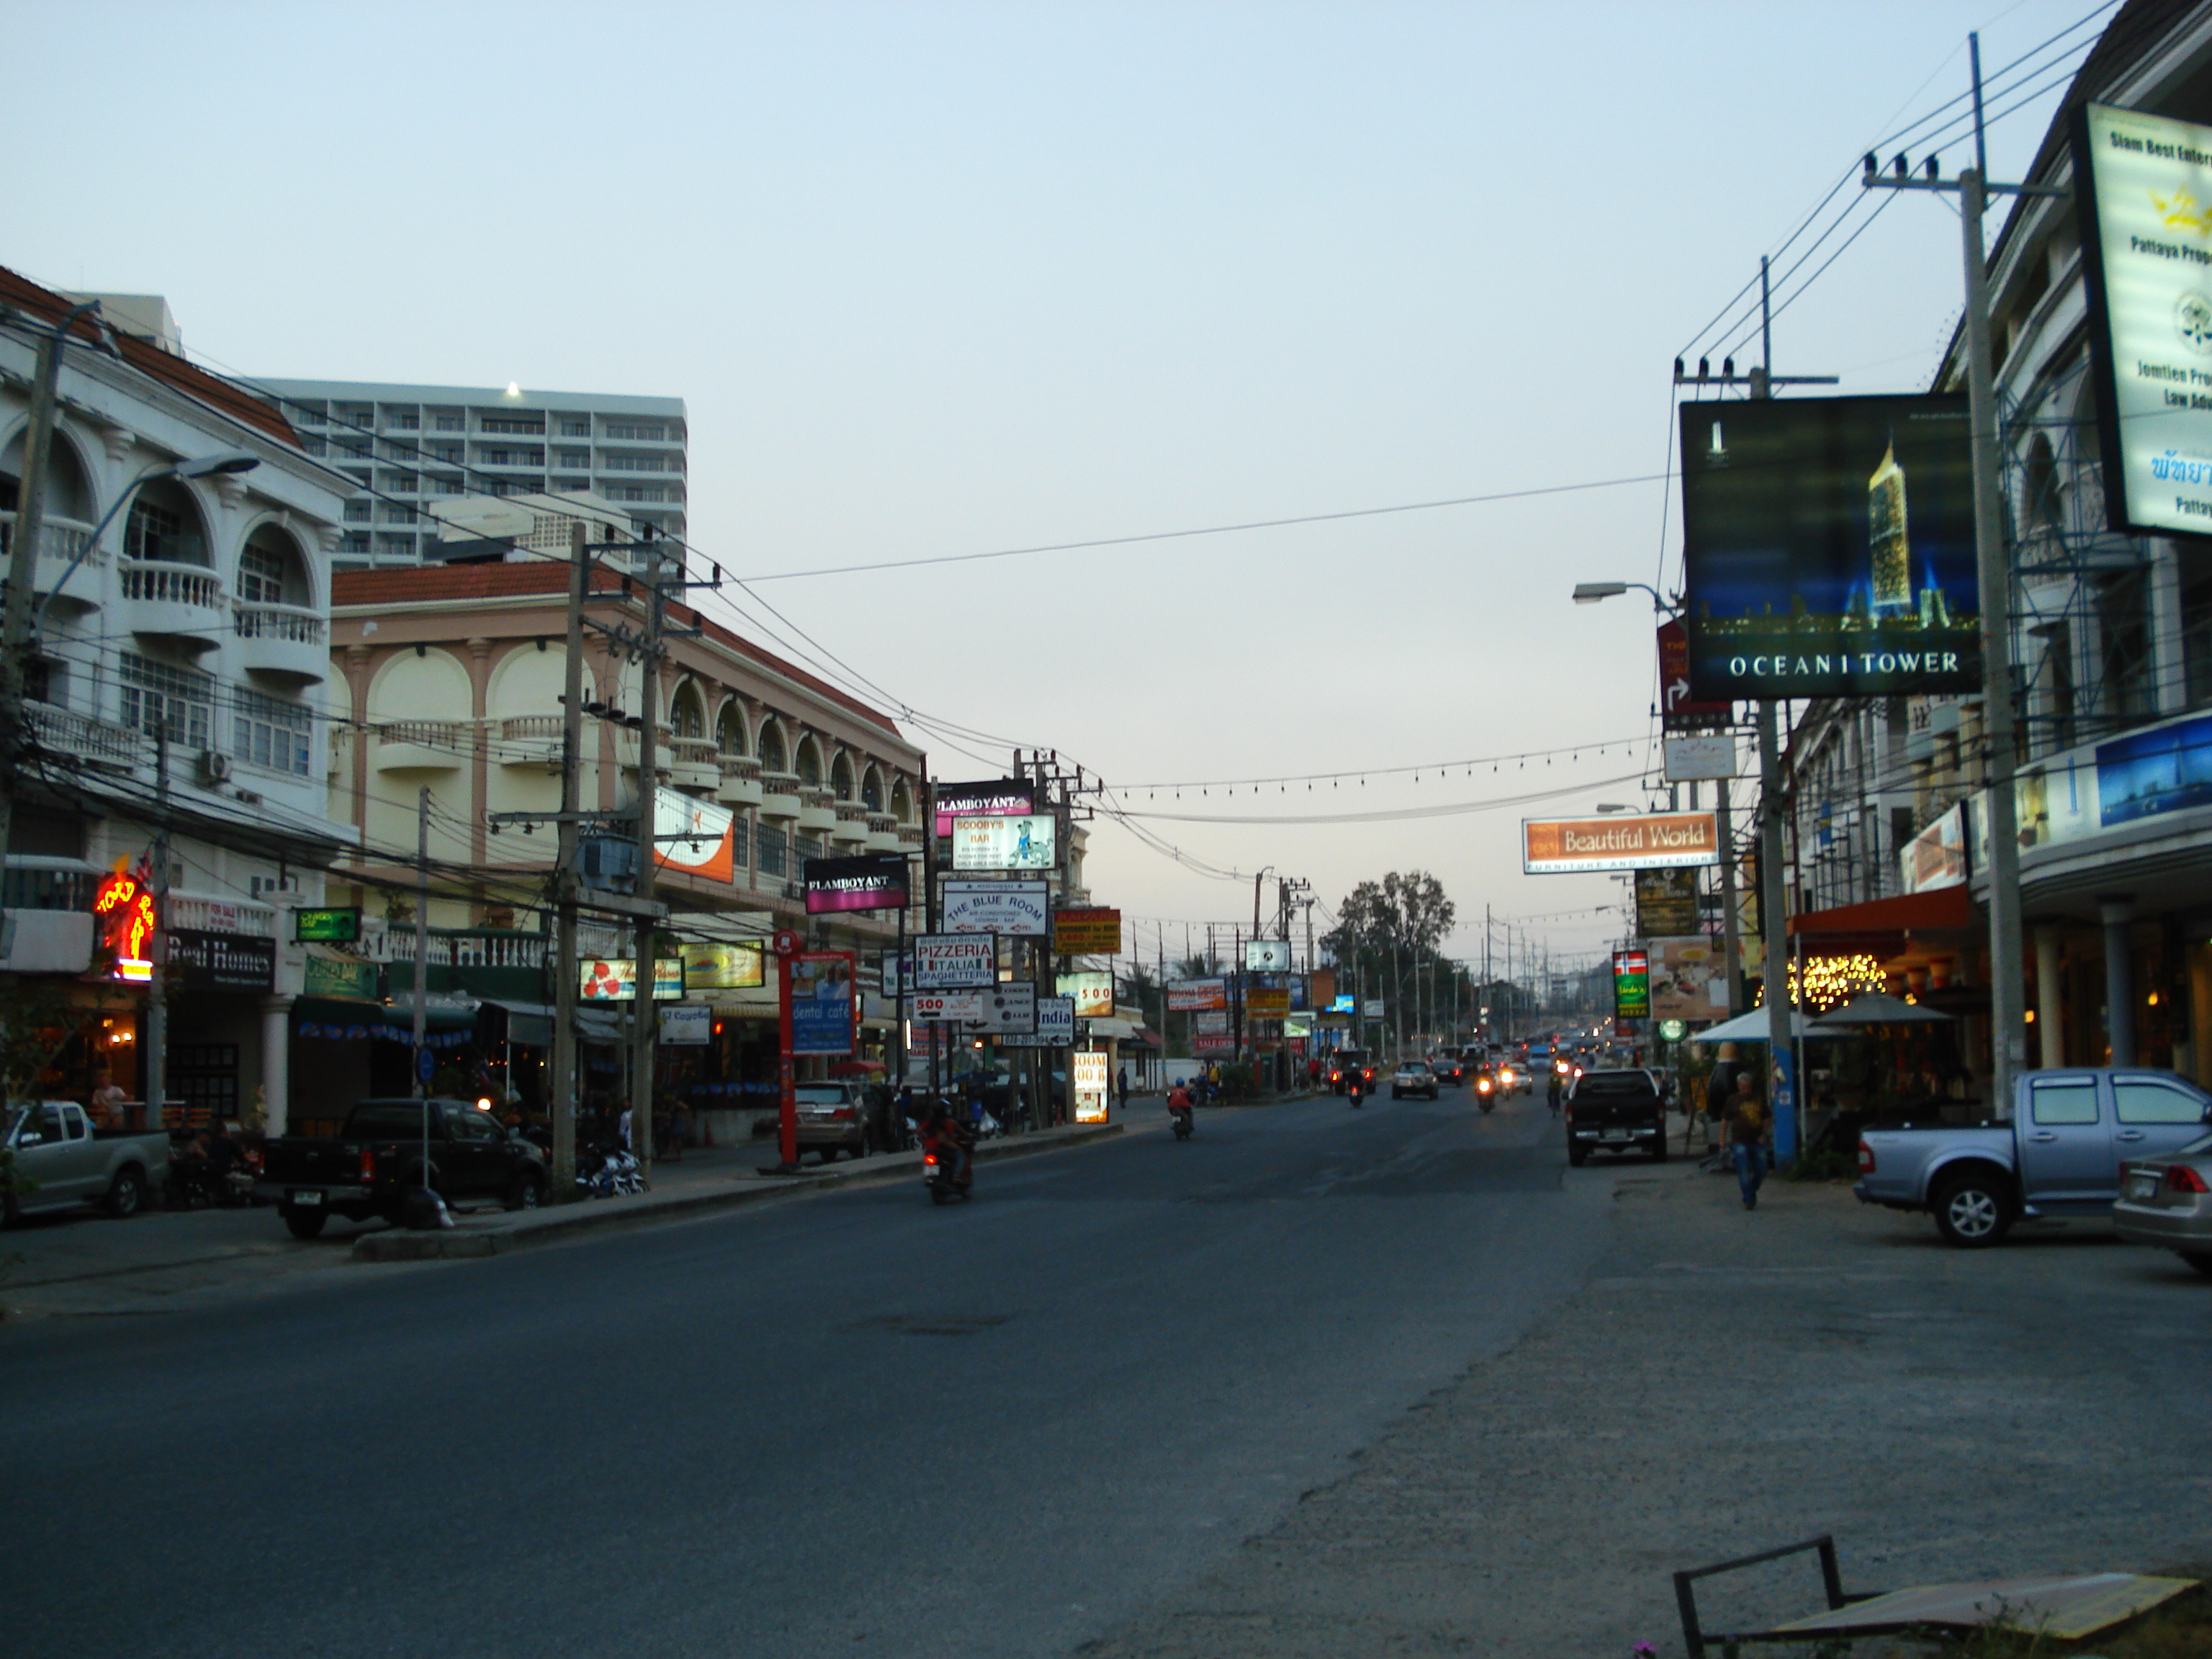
1828, 548
1936, 857
1699, 759
824, 1002
869, 881
1666, 902
1055, 1026
1656, 840
1187, 995
697, 837
202, 961
1003, 843
1689, 979
1001, 798
1092, 992
1261, 1003
687, 1024
1020, 907
1086, 933
1678, 710
614, 979
709, 967
1090, 1074
959, 1006
1009, 1007
1267, 956
339, 926
1632, 985
946, 962
2143, 182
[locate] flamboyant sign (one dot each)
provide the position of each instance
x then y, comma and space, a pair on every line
1652, 842
1002, 798
125, 905
871, 881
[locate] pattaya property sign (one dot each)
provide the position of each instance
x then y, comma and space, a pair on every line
1654, 841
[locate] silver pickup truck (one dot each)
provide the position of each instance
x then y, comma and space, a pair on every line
2059, 1154
62, 1160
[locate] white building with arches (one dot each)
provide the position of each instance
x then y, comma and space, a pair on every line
192, 639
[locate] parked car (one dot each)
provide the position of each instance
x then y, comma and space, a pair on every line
67, 1162
2058, 1155
842, 1114
2166, 1200
1414, 1077
367, 1168
1616, 1112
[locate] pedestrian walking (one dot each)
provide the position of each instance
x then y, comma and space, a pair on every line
1121, 1087
1746, 1129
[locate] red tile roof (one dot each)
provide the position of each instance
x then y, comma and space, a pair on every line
459, 585
164, 366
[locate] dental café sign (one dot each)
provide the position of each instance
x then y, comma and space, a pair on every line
1658, 840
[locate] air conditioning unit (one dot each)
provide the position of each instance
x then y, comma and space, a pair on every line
215, 766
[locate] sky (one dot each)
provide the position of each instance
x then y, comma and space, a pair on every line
951, 279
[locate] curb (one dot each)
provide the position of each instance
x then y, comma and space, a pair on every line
518, 1232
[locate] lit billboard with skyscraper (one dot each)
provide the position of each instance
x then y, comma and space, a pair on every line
1829, 547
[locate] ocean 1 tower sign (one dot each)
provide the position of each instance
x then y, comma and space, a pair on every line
1800, 563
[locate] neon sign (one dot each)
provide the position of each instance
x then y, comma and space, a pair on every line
125, 905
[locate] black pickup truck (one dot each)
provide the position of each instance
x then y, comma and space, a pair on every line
1622, 1111
376, 1158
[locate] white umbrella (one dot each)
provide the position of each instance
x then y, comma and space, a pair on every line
1877, 1008
1752, 1028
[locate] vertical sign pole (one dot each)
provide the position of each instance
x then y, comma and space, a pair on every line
786, 1099
422, 966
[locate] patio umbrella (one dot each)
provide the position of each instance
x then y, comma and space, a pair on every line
1751, 1028
1877, 1008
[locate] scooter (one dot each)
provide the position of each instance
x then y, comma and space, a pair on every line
1356, 1086
1485, 1092
1181, 1115
938, 1165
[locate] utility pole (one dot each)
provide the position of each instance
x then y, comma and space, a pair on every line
2008, 968
422, 966
646, 1051
565, 988
155, 1066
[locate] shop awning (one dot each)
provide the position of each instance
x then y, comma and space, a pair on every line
1946, 909
529, 1023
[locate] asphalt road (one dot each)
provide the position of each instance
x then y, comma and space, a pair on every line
854, 1424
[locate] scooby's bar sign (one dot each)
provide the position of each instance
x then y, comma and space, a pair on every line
1551, 847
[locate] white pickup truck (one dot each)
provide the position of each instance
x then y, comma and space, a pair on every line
2059, 1153
61, 1160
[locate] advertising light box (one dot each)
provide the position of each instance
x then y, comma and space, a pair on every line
1086, 933
1267, 956
1003, 843
1022, 908
869, 881
723, 967
946, 962
614, 979
1653, 841
2144, 183
1632, 985
1828, 548
1004, 797
1092, 992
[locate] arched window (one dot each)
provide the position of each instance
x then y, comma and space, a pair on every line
730, 729
687, 714
871, 790
841, 778
771, 747
271, 570
901, 802
165, 526
69, 492
810, 763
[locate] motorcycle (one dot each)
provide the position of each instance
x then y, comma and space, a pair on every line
1356, 1086
607, 1172
1181, 1115
938, 1163
1485, 1092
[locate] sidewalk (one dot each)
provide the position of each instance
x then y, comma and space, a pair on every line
84, 1263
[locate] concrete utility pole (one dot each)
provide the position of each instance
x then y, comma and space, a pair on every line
646, 1051
422, 966
565, 988
23, 568
153, 1066
1993, 575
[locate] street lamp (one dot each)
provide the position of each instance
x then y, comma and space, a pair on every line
222, 461
1591, 592
1614, 806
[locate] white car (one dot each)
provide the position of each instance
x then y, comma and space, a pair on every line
1414, 1077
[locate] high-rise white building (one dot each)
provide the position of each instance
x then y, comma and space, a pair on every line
408, 446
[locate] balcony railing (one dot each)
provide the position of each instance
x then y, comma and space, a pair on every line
60, 540
152, 582
470, 948
288, 623
82, 737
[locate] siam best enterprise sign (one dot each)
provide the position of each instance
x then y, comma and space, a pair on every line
1828, 548
1654, 841
2144, 184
